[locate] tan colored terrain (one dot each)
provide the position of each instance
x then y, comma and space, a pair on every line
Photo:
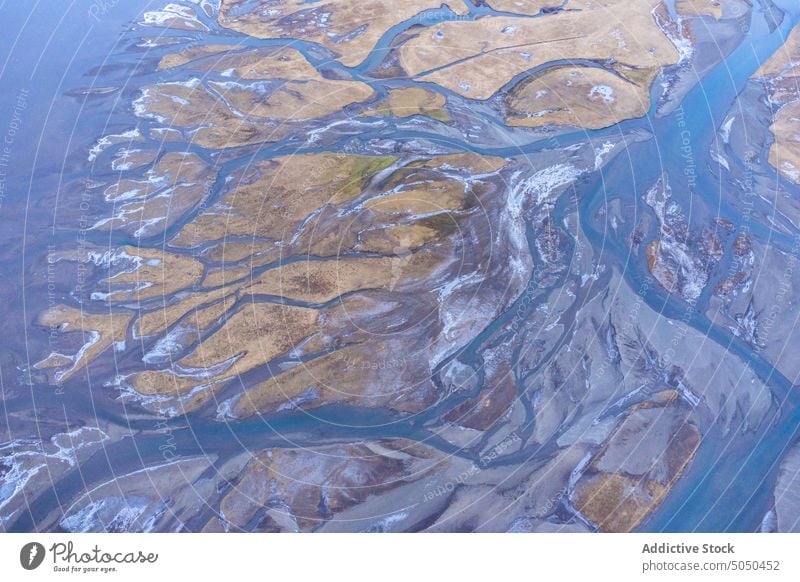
423, 199
305, 93
177, 183
638, 465
477, 58
161, 318
291, 204
231, 251
345, 376
415, 101
99, 331
348, 28
781, 73
618, 503
699, 8
785, 152
191, 106
252, 336
258, 332
279, 194
323, 281
261, 63
172, 169
228, 275
408, 237
295, 99
312, 485
130, 159
193, 53
581, 96
175, 16
529, 7
230, 114
279, 200
159, 274
785, 60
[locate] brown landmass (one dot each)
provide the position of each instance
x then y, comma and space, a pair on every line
349, 29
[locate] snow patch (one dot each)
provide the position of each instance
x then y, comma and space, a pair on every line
603, 92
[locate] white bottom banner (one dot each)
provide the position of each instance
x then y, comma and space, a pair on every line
400, 557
